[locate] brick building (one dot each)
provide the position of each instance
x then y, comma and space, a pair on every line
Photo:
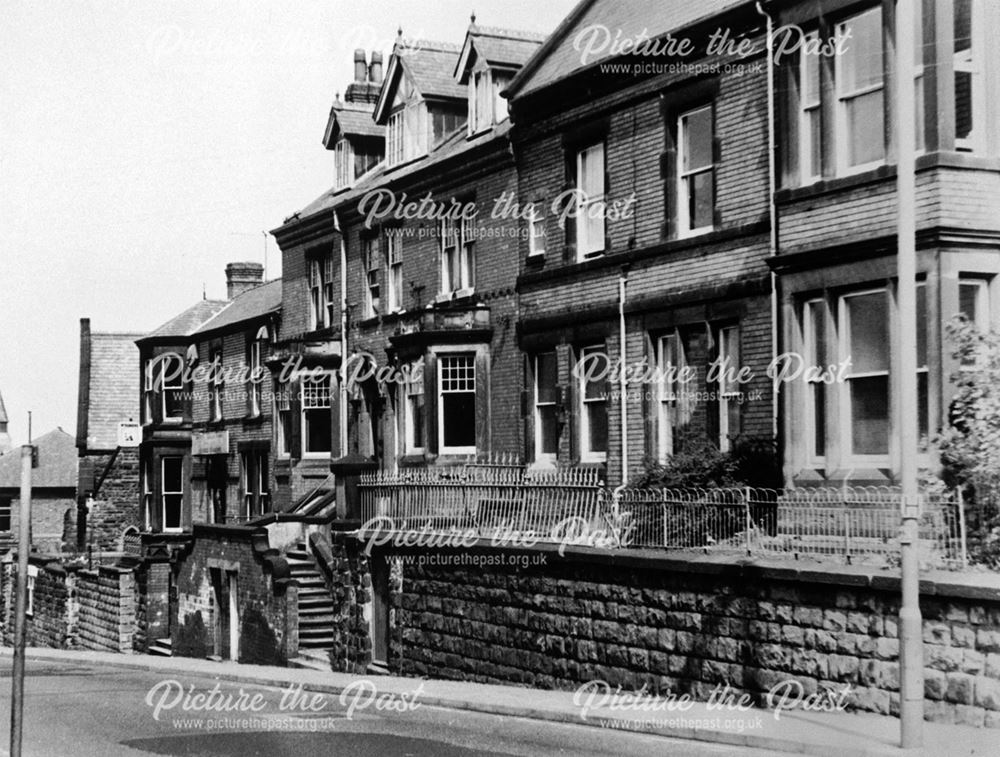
53, 493
108, 486
430, 360
836, 210
651, 220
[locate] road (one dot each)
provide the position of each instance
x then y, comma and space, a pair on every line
75, 710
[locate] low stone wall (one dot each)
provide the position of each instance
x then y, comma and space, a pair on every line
51, 621
350, 581
107, 609
685, 626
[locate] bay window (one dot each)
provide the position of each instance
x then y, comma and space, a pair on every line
864, 338
695, 172
316, 421
172, 386
669, 392
970, 87
590, 201
172, 492
457, 403
815, 353
413, 411
810, 112
860, 138
728, 388
546, 402
147, 495
591, 373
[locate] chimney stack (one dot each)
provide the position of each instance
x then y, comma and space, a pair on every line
360, 67
242, 277
375, 69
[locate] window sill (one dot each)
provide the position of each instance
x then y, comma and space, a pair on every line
695, 233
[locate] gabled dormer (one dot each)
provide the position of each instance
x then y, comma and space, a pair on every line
420, 102
489, 59
357, 142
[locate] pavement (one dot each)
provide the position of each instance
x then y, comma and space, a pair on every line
837, 734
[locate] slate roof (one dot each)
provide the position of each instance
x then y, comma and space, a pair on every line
504, 47
352, 119
113, 393
251, 304
189, 321
431, 65
57, 461
558, 59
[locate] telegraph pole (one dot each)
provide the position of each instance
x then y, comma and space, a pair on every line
911, 664
23, 545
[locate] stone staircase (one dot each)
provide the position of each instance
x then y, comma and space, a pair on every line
316, 611
161, 648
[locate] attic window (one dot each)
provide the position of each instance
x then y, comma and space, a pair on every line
486, 106
343, 160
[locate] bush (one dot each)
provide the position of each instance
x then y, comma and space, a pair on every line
698, 463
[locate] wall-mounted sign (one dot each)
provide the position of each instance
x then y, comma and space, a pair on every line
210, 443
129, 434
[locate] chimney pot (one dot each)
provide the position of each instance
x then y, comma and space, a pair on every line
375, 69
360, 66
242, 277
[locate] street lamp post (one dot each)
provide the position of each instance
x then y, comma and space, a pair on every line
910, 624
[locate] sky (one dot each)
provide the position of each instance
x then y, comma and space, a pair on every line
144, 144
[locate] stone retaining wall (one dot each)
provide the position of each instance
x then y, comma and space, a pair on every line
685, 626
107, 609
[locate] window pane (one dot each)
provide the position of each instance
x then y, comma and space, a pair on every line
173, 474
459, 415
548, 430
819, 419
172, 510
702, 202
597, 368
318, 431
861, 61
963, 104
870, 415
597, 417
865, 117
815, 142
868, 315
545, 377
697, 127
923, 411
921, 326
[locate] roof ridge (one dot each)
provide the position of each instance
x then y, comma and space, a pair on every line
499, 31
417, 45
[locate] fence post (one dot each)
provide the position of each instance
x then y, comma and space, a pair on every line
746, 494
963, 546
847, 534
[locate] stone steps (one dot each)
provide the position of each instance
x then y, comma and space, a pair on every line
161, 648
316, 610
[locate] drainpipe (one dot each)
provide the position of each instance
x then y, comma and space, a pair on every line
622, 382
772, 208
342, 394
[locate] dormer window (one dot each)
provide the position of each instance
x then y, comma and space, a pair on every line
486, 106
343, 161
407, 128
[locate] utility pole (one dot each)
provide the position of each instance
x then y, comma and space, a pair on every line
911, 663
23, 545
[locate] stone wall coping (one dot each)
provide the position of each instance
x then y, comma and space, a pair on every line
971, 585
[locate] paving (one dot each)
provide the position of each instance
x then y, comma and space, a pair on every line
838, 734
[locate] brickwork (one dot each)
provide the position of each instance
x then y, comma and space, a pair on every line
52, 512
672, 626
51, 621
267, 610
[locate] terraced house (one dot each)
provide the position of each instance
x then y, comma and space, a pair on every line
648, 247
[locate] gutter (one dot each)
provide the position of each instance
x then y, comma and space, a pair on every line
772, 206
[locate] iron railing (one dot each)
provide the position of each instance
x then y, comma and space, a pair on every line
513, 504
